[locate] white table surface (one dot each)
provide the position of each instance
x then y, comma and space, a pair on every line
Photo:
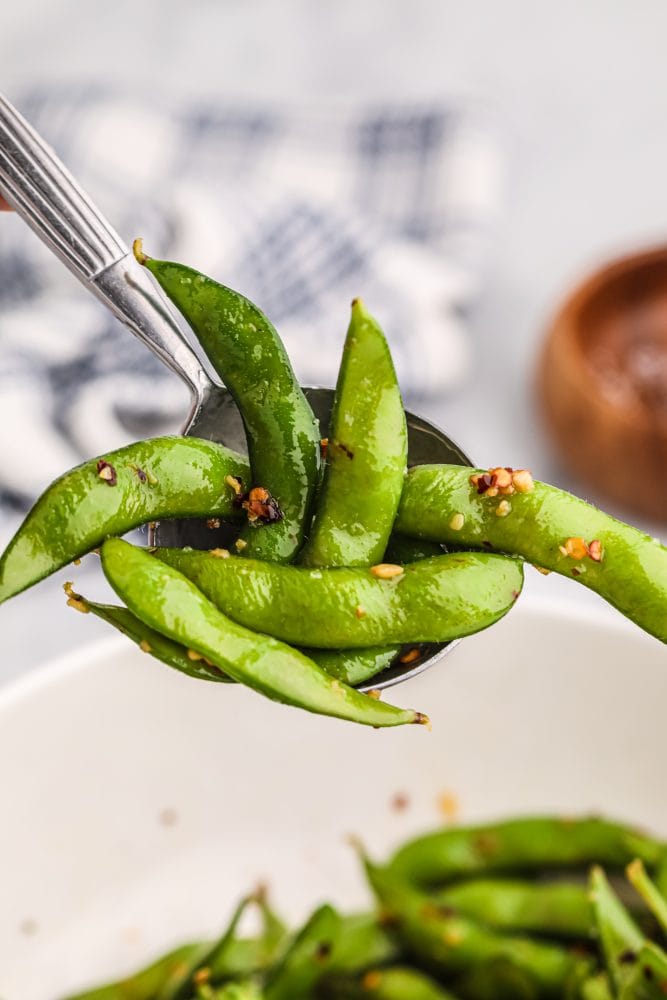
582, 89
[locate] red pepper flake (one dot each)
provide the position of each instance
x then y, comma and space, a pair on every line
579, 548
259, 506
502, 479
107, 472
595, 550
324, 447
372, 980
400, 802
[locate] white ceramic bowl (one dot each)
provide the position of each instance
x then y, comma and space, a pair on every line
138, 805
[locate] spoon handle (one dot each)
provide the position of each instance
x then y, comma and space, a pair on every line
41, 189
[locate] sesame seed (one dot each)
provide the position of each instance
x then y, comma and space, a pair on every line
386, 571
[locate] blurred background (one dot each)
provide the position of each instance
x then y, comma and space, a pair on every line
461, 166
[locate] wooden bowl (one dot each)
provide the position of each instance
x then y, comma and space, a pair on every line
602, 383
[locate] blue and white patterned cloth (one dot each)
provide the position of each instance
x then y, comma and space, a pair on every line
300, 210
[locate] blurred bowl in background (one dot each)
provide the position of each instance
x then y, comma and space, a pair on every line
602, 382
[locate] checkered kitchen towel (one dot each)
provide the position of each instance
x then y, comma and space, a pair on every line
301, 211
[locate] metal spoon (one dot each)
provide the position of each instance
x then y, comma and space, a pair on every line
40, 188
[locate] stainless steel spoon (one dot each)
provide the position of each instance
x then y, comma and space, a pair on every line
40, 188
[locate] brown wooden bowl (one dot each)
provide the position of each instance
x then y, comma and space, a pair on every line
602, 382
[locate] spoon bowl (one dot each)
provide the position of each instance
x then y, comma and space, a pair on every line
218, 419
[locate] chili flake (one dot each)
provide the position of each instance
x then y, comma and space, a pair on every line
260, 506
372, 980
504, 480
578, 548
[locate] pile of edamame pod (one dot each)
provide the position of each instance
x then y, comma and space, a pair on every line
338, 566
521, 910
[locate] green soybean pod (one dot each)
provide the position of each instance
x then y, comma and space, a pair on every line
169, 603
147, 982
356, 666
452, 945
391, 983
401, 549
647, 975
429, 601
111, 495
306, 960
365, 457
248, 990
596, 987
547, 527
649, 891
149, 640
521, 845
556, 909
282, 433
620, 938
181, 984
361, 943
353, 666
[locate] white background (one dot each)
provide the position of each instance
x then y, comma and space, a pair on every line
581, 87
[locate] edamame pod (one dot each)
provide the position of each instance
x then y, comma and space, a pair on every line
453, 945
429, 601
559, 909
145, 984
521, 845
149, 641
236, 991
649, 891
356, 666
112, 494
547, 527
401, 549
353, 666
361, 943
393, 983
596, 987
169, 603
365, 457
182, 983
620, 937
647, 976
282, 433
307, 959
